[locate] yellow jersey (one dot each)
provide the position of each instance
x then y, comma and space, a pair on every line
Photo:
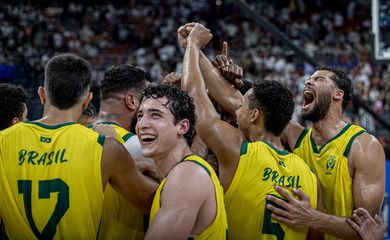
122, 135
260, 168
330, 163
50, 181
120, 219
218, 229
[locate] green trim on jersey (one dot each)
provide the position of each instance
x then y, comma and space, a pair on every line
110, 123
51, 126
101, 139
203, 166
349, 145
280, 152
127, 136
107, 123
186, 158
300, 138
244, 147
314, 146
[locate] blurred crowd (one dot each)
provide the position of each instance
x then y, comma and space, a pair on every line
143, 33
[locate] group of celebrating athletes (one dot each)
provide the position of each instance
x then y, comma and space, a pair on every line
275, 179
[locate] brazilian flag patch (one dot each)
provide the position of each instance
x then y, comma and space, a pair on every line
45, 139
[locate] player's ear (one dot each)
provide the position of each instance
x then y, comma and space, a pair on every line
42, 95
338, 94
130, 101
256, 113
87, 99
183, 126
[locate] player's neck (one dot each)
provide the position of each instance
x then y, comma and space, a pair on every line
326, 129
120, 120
124, 122
54, 116
165, 162
117, 115
272, 139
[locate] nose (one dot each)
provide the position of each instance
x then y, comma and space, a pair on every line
142, 122
308, 81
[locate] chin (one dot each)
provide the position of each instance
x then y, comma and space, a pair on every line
305, 114
147, 153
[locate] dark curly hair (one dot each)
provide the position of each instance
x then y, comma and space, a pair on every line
122, 78
342, 81
275, 101
179, 103
67, 77
11, 101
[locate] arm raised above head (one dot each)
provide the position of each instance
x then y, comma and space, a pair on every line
218, 87
223, 139
225, 93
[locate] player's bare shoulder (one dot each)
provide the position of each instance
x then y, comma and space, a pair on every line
366, 150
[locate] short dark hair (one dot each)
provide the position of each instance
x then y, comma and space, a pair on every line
275, 101
93, 108
179, 103
246, 86
342, 81
122, 78
11, 101
67, 77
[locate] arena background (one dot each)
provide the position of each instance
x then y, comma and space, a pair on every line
275, 39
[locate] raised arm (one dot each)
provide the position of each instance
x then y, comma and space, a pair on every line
230, 71
220, 89
118, 168
223, 139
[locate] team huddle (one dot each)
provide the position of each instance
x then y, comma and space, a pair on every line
130, 159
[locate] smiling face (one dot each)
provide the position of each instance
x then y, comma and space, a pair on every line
156, 128
317, 95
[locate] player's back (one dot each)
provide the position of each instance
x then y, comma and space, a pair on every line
50, 181
260, 168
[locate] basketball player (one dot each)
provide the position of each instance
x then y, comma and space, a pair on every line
13, 101
189, 201
344, 157
121, 90
251, 159
349, 162
54, 171
13, 110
